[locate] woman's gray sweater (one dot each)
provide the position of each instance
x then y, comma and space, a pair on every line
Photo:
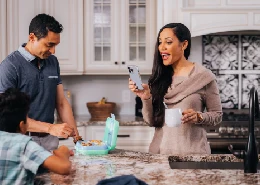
196, 91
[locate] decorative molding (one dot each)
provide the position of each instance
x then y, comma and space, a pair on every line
220, 4
3, 31
257, 19
150, 31
205, 23
168, 11
243, 3
12, 25
205, 17
202, 3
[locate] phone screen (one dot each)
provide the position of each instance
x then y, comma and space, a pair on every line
135, 76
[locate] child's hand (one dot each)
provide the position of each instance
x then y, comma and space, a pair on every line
71, 153
62, 151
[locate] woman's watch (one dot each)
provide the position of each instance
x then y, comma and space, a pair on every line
200, 117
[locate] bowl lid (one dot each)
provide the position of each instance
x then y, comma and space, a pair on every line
111, 131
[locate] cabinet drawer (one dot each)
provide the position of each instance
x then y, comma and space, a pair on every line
95, 132
136, 133
136, 138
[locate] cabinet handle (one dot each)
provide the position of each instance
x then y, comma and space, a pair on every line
116, 63
123, 62
123, 135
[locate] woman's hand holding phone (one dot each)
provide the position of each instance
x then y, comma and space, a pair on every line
143, 94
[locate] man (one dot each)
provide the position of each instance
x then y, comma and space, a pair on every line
34, 69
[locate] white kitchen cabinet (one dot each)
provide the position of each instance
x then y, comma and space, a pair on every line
204, 17
117, 34
3, 40
136, 138
68, 12
69, 142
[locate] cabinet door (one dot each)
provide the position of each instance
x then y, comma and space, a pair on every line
101, 26
3, 31
119, 33
82, 131
95, 132
138, 32
68, 12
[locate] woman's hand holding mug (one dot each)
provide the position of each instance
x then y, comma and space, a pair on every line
189, 116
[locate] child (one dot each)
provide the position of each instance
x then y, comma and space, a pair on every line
20, 157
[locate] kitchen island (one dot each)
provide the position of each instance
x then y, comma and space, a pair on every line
152, 169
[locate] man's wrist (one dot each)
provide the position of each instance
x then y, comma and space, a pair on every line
49, 128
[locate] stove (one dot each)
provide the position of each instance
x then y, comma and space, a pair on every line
232, 130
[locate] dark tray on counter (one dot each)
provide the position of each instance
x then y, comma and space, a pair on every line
207, 165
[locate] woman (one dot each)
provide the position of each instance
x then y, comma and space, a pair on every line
180, 84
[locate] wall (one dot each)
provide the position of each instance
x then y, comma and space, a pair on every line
92, 88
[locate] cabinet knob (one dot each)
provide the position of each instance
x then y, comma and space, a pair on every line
123, 62
116, 63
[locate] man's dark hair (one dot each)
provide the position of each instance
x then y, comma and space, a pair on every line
14, 107
42, 23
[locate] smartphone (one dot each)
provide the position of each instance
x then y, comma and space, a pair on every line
135, 76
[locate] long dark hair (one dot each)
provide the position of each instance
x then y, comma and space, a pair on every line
161, 78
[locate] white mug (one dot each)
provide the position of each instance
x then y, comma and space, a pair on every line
173, 117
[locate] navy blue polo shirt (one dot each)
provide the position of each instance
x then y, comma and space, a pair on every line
18, 71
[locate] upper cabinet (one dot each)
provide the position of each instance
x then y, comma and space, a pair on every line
117, 34
204, 17
68, 12
3, 44
99, 36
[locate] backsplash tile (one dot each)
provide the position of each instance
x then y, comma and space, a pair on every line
248, 81
220, 52
235, 60
228, 88
250, 52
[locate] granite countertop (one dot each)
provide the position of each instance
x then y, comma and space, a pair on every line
124, 120
152, 169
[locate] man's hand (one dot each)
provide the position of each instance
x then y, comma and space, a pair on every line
61, 130
77, 138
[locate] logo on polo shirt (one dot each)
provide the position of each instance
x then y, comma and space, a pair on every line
53, 77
